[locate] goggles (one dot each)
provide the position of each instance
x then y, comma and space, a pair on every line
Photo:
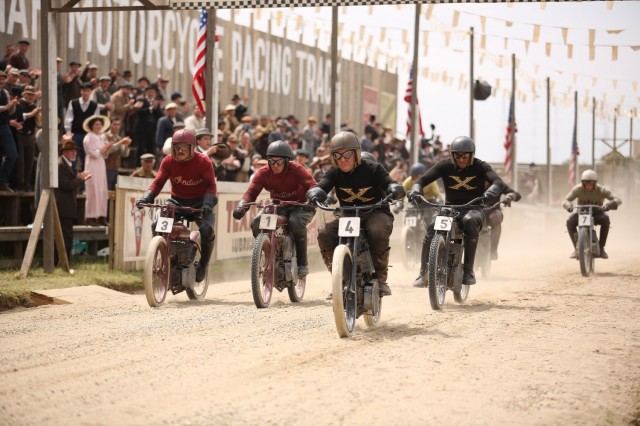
347, 154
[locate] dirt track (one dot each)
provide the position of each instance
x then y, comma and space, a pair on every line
536, 344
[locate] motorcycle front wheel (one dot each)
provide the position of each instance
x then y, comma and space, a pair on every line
437, 271
584, 251
261, 272
156, 272
344, 299
410, 247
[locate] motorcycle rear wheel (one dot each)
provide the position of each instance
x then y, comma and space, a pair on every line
584, 252
341, 273
261, 273
437, 272
157, 270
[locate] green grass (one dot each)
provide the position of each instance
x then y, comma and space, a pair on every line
88, 271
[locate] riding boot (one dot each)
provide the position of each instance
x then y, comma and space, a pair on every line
604, 233
421, 281
380, 264
205, 255
301, 256
470, 245
574, 241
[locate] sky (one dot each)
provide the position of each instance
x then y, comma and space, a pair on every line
385, 33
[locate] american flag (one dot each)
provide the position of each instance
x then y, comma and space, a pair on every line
407, 98
198, 84
509, 141
573, 159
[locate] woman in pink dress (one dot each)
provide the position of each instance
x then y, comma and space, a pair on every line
96, 148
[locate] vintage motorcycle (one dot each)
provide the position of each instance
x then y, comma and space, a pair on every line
173, 254
445, 268
412, 232
588, 245
273, 260
355, 292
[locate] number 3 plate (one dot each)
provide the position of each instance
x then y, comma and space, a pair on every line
268, 221
443, 223
164, 225
349, 227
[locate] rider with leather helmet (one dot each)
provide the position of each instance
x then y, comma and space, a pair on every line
285, 180
358, 182
589, 192
193, 184
464, 178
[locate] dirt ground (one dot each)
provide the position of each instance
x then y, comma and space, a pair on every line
536, 344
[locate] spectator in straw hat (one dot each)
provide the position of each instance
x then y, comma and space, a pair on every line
97, 149
69, 180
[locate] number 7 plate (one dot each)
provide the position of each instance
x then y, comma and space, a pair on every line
584, 220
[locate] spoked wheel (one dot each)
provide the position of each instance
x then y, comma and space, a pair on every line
296, 289
461, 296
156, 272
437, 272
584, 252
408, 239
344, 297
261, 272
197, 291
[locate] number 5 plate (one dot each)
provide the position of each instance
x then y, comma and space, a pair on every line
268, 221
164, 225
443, 223
584, 220
349, 227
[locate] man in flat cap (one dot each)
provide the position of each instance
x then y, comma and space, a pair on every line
102, 96
19, 60
147, 161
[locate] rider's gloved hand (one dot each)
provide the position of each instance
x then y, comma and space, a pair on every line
208, 204
416, 191
510, 197
331, 200
567, 205
147, 198
316, 195
395, 191
610, 205
240, 210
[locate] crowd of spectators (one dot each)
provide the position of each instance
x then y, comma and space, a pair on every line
143, 114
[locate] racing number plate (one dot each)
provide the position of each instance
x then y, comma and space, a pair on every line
443, 223
164, 225
584, 220
410, 221
268, 221
349, 227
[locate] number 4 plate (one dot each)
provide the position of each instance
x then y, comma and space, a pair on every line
443, 223
268, 221
349, 227
164, 225
584, 220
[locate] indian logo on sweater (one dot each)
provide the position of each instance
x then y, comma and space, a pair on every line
178, 180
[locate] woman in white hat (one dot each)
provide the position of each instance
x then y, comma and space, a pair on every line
97, 149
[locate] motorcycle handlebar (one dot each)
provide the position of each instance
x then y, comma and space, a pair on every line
385, 201
471, 203
279, 203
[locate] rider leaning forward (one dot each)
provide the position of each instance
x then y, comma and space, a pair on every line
288, 181
589, 192
193, 184
358, 182
464, 179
